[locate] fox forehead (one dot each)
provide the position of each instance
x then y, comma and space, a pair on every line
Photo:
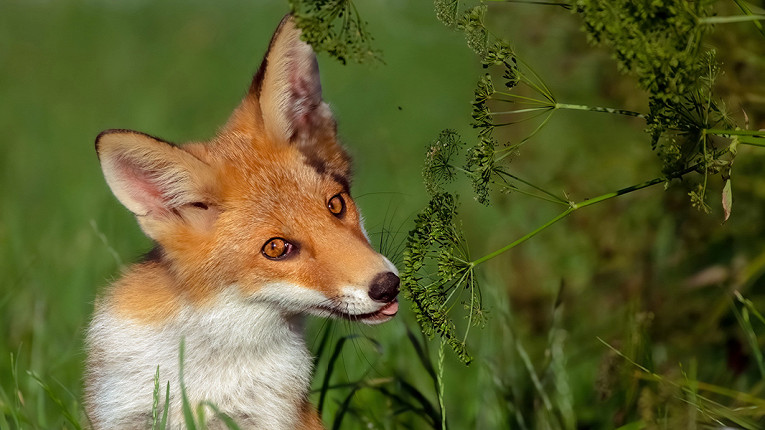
266, 178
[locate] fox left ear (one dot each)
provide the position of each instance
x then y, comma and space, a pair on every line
288, 89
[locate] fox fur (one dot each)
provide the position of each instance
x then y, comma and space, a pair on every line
253, 229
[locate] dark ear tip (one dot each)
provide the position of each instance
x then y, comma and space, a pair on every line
257, 79
286, 18
124, 131
104, 133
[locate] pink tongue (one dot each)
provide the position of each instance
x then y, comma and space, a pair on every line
390, 309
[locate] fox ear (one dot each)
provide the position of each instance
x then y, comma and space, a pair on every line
152, 178
288, 89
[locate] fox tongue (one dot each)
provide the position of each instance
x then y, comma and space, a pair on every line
390, 309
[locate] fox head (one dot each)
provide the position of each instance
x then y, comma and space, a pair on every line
264, 207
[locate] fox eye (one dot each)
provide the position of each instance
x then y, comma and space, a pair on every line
277, 248
336, 205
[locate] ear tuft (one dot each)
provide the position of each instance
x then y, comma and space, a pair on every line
149, 176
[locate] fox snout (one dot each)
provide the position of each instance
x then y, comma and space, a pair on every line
384, 287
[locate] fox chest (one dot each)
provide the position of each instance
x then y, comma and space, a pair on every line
256, 370
262, 388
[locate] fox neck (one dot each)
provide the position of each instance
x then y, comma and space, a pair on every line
258, 354
230, 321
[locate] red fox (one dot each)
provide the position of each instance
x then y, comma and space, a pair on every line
253, 229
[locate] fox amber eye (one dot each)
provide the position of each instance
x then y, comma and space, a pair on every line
277, 248
336, 205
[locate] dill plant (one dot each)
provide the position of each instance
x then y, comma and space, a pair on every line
335, 27
659, 44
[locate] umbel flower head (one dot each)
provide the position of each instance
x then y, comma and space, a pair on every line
438, 272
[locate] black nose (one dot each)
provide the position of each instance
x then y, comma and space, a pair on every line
384, 287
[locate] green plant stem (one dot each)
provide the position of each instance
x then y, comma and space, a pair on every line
554, 198
575, 206
519, 111
598, 109
729, 133
441, 356
745, 8
752, 141
747, 137
730, 19
542, 2
524, 99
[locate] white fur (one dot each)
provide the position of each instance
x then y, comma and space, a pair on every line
238, 355
390, 265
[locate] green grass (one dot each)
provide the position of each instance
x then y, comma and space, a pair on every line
651, 277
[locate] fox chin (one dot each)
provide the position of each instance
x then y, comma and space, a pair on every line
253, 229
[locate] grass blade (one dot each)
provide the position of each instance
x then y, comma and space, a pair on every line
156, 422
745, 8
336, 353
8, 410
155, 401
328, 328
62, 408
227, 420
344, 407
744, 321
188, 413
422, 354
163, 423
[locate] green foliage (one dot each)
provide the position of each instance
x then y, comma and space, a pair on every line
482, 167
436, 267
439, 167
661, 44
657, 42
335, 27
476, 34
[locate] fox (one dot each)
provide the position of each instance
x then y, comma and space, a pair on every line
253, 229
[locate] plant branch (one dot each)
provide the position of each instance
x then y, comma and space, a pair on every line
745, 8
598, 109
729, 133
575, 206
747, 137
542, 2
555, 198
730, 19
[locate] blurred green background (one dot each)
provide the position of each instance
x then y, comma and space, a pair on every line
646, 273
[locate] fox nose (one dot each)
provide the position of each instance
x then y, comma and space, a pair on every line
384, 287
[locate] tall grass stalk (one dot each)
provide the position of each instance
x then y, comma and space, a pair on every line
157, 422
441, 389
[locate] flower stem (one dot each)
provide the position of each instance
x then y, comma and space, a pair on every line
748, 11
519, 111
729, 19
574, 206
729, 133
747, 137
542, 2
599, 109
440, 376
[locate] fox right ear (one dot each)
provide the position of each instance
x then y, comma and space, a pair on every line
150, 177
288, 89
